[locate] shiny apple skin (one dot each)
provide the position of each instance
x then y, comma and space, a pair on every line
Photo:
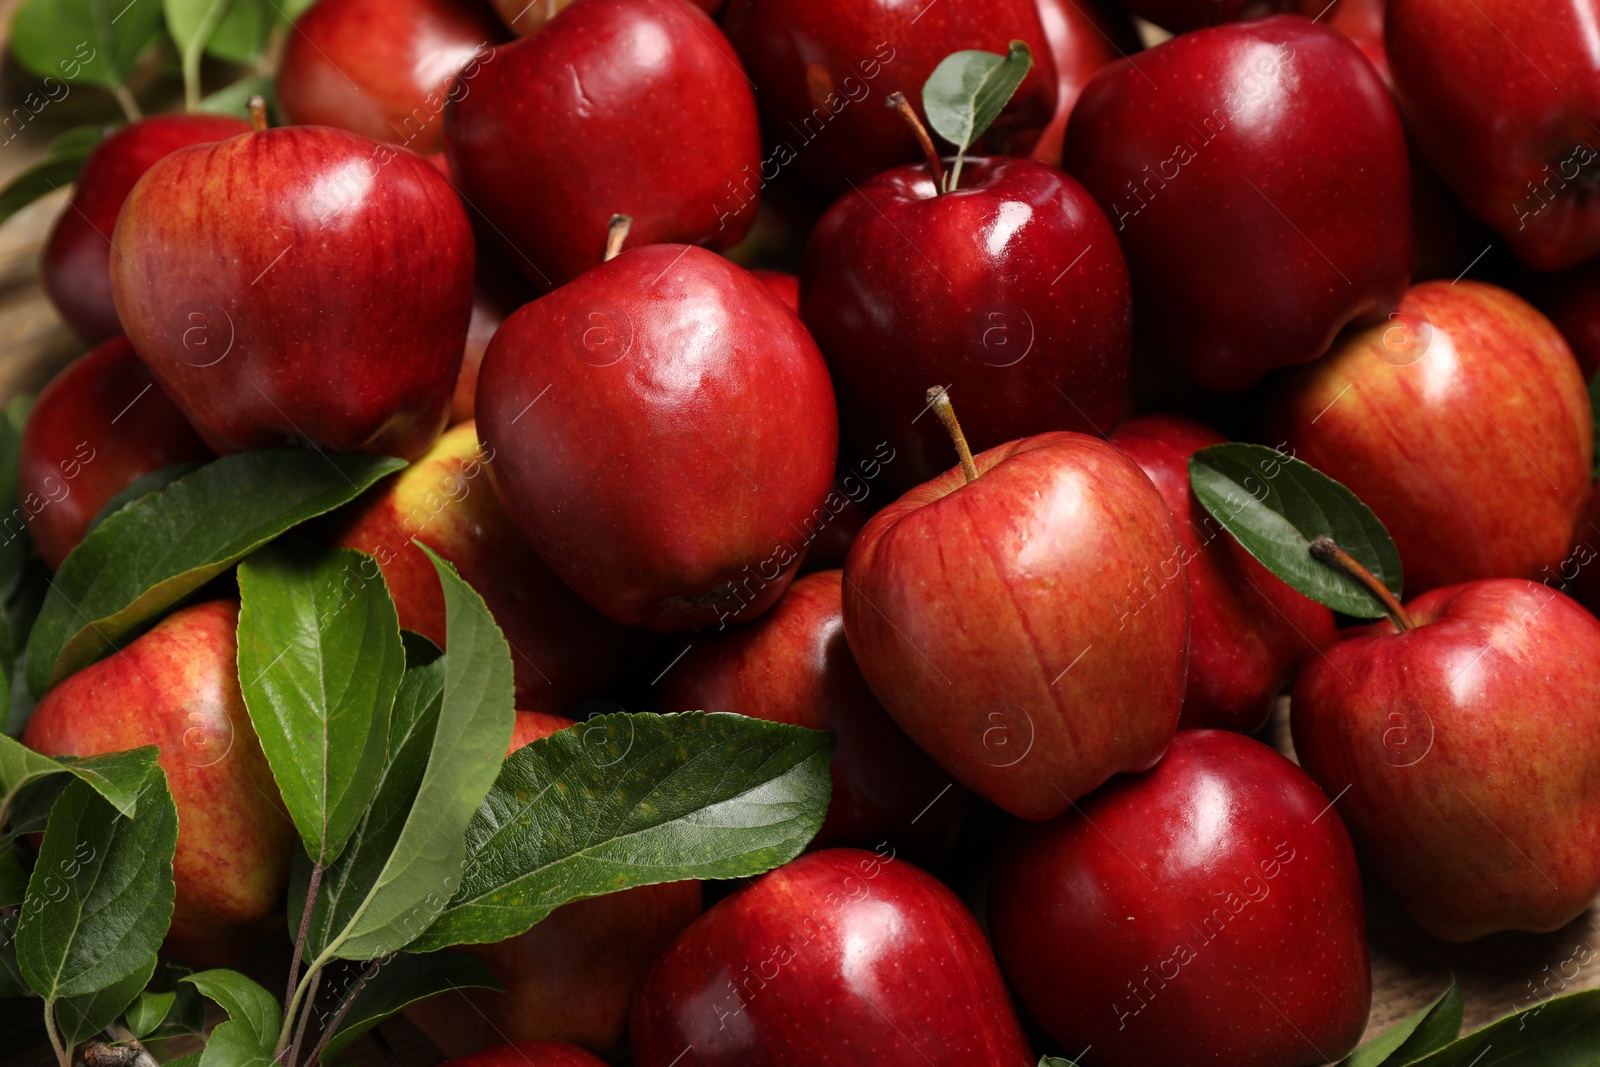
1362, 22
843, 957
384, 68
1248, 631
786, 285
1499, 95
177, 687
571, 977
529, 1054
99, 426
631, 106
793, 665
526, 19
641, 483
1470, 746
1003, 626
1251, 243
302, 283
823, 71
1463, 423
1129, 889
75, 267
1084, 36
562, 651
1009, 291
1181, 16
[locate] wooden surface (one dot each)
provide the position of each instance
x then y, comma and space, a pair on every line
1498, 974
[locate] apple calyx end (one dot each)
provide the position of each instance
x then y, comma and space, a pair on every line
898, 101
1327, 551
939, 400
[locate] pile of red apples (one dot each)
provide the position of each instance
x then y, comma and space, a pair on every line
674, 317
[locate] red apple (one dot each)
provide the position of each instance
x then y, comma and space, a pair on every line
303, 283
823, 71
76, 265
1218, 887
1362, 22
1463, 423
637, 107
1467, 754
1256, 176
793, 665
1248, 632
1010, 291
562, 650
786, 285
529, 1054
1572, 300
847, 958
1180, 16
1084, 36
1006, 624
1502, 97
639, 478
99, 426
384, 68
525, 17
177, 687
571, 977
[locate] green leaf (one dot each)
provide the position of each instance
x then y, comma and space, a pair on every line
235, 99
1056, 1061
191, 1060
628, 800
94, 41
476, 715
13, 879
100, 897
348, 882
56, 171
234, 30
12, 983
234, 1044
967, 91
79, 1018
150, 483
1407, 1041
119, 777
320, 660
149, 1011
157, 550
245, 1001
1561, 1032
1276, 506
404, 981
187, 1013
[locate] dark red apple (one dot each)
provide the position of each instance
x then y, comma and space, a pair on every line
177, 687
385, 68
638, 107
823, 71
1467, 754
1248, 631
99, 426
1010, 291
848, 958
573, 976
1362, 22
1219, 886
620, 410
76, 265
1502, 97
1180, 16
1084, 36
498, 290
1007, 625
786, 285
563, 652
529, 1054
793, 665
303, 283
1463, 423
1256, 176
1572, 301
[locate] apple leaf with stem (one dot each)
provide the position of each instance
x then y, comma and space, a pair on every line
99, 900
58, 169
254, 1015
628, 800
157, 550
1417, 1035
1562, 1030
403, 981
140, 488
95, 41
1276, 506
320, 661
231, 30
119, 777
967, 91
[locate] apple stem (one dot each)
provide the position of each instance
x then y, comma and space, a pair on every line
616, 233
1325, 550
258, 113
939, 400
898, 101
